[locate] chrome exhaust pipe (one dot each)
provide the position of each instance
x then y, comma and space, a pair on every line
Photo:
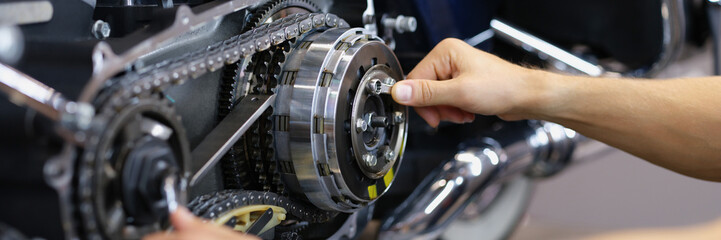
544, 149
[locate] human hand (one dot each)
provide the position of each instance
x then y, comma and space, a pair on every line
455, 81
189, 227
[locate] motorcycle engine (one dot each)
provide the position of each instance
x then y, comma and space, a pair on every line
269, 117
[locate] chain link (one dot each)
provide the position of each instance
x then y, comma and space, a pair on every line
146, 84
192, 65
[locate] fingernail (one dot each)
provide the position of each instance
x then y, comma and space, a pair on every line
402, 92
469, 119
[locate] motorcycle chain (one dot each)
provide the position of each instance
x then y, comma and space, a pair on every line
149, 84
255, 151
213, 205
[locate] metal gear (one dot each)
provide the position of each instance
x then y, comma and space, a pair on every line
130, 153
251, 163
135, 96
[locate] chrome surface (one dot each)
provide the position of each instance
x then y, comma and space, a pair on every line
101, 29
498, 219
713, 9
367, 145
223, 136
369, 18
25, 12
533, 44
24, 90
12, 44
333, 65
480, 37
674, 32
401, 23
440, 201
171, 190
442, 196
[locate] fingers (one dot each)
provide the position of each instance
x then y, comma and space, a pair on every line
183, 219
452, 114
189, 227
430, 114
435, 114
422, 93
441, 63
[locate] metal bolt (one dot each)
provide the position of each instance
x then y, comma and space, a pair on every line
401, 23
361, 125
101, 29
374, 86
370, 159
389, 154
398, 117
379, 121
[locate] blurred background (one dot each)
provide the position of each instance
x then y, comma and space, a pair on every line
610, 190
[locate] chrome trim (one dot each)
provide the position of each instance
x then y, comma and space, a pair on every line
442, 196
713, 8
674, 32
480, 37
534, 44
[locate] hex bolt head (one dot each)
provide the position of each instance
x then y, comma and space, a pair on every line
370, 160
361, 125
398, 117
101, 29
389, 154
374, 86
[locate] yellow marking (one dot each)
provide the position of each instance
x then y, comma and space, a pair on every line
372, 192
247, 215
388, 177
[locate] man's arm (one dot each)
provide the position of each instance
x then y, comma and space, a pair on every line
675, 124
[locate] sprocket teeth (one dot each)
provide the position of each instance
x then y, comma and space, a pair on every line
259, 169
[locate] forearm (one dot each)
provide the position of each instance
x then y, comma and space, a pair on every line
675, 124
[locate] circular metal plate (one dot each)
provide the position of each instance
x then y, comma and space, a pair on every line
326, 70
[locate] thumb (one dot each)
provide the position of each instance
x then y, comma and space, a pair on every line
183, 219
422, 93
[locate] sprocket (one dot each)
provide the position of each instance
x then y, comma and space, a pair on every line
130, 152
251, 163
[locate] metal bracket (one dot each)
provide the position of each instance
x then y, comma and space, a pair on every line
219, 141
25, 90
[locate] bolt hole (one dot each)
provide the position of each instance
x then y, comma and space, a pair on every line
377, 85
